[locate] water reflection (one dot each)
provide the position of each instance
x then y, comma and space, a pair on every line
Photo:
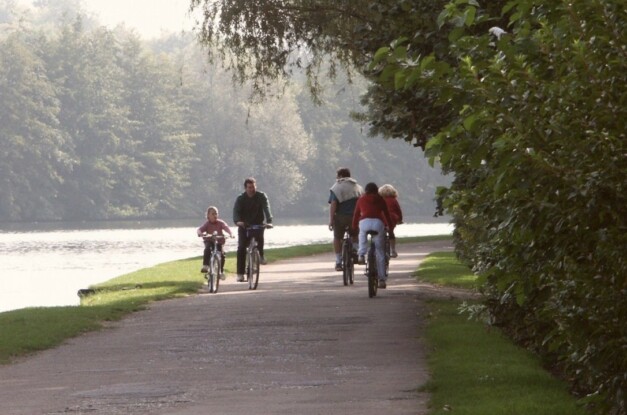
48, 267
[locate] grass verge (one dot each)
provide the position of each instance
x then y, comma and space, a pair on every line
475, 369
29, 330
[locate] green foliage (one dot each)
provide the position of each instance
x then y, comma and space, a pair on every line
33, 156
536, 141
267, 41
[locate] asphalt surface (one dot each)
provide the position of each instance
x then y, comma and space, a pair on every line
302, 343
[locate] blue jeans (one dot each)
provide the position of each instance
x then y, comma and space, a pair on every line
372, 224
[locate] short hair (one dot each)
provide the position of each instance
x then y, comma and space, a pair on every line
372, 188
210, 208
343, 172
387, 190
250, 180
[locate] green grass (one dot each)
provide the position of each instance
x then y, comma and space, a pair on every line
443, 268
475, 369
29, 330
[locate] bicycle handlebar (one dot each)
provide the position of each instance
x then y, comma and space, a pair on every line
262, 226
215, 237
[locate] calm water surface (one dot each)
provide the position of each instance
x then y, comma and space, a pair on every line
46, 267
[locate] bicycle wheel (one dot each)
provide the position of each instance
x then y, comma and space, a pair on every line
214, 274
387, 255
350, 265
253, 270
346, 260
373, 281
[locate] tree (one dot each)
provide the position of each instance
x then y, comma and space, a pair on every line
85, 76
237, 140
158, 145
32, 159
265, 41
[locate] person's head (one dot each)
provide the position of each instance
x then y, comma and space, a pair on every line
343, 172
372, 188
250, 184
212, 213
387, 190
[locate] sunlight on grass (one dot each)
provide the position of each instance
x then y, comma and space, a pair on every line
443, 268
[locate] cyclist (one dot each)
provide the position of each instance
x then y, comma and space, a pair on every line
390, 195
251, 207
213, 224
371, 214
342, 200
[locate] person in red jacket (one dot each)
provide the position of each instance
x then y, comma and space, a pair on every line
371, 214
390, 195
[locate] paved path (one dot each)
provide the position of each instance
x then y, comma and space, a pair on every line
302, 343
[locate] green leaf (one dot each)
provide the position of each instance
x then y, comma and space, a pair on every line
399, 79
381, 54
424, 63
455, 34
508, 7
469, 121
400, 53
441, 20
398, 42
470, 14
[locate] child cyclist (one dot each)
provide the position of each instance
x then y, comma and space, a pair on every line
213, 224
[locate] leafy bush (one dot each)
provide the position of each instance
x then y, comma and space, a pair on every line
538, 150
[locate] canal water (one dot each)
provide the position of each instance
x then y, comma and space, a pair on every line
44, 265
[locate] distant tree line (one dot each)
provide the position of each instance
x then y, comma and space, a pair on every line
99, 124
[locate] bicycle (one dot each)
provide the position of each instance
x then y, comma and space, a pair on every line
215, 261
348, 258
253, 257
371, 265
388, 253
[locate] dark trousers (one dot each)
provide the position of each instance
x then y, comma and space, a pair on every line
243, 239
207, 254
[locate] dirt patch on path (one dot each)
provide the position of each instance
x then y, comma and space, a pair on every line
302, 343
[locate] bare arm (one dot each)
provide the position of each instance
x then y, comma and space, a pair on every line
332, 210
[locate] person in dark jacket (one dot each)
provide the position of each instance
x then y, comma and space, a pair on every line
251, 208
